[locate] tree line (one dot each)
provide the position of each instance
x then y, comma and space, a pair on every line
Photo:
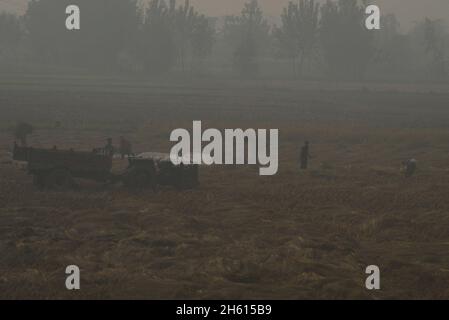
315, 40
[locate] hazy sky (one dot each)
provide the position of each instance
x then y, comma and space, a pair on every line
406, 10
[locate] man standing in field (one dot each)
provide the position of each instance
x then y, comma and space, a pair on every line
410, 167
304, 156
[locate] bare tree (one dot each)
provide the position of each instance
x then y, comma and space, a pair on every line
173, 33
435, 47
247, 34
346, 43
157, 46
202, 41
392, 54
11, 32
429, 43
298, 35
193, 33
108, 27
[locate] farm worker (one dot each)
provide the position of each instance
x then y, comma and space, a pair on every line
109, 148
304, 156
410, 167
125, 147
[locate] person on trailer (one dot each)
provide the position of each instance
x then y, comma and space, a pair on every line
109, 148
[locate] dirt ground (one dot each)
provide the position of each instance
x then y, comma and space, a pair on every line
296, 235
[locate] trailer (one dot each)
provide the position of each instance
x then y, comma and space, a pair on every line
57, 169
54, 168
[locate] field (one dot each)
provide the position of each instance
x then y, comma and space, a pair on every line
296, 235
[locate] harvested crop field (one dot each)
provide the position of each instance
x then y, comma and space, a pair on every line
295, 235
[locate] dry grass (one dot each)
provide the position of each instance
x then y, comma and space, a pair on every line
295, 235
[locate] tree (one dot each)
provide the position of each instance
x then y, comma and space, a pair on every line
392, 49
435, 47
298, 35
171, 34
429, 46
183, 23
386, 37
157, 47
202, 41
11, 33
346, 43
193, 33
107, 28
247, 35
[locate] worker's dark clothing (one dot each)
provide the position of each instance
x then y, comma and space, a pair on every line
109, 150
410, 167
304, 157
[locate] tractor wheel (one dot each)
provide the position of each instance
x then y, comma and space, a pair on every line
59, 179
